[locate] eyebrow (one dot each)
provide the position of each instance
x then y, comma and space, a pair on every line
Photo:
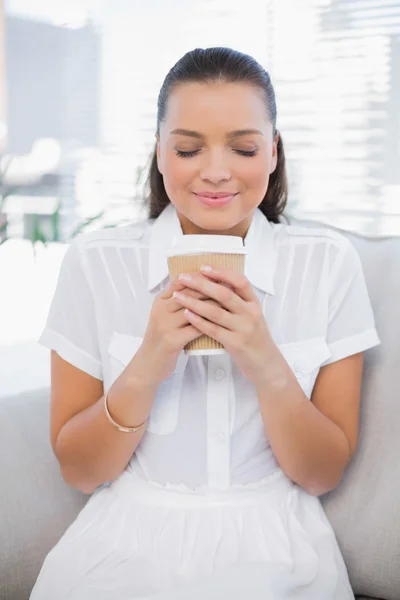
231, 135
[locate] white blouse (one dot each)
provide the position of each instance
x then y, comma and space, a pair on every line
205, 430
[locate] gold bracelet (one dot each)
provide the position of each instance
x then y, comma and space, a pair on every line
114, 424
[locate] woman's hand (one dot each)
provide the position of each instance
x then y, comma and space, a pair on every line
167, 333
232, 317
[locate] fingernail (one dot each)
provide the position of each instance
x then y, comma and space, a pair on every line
184, 277
206, 268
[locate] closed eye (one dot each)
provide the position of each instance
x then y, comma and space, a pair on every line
187, 154
246, 152
190, 153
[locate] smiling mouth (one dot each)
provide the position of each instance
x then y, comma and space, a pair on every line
215, 200
216, 194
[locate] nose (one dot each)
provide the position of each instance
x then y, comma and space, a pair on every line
215, 169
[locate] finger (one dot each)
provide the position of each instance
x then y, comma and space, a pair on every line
187, 334
184, 330
220, 334
173, 285
194, 294
178, 319
177, 286
173, 306
237, 281
222, 294
208, 309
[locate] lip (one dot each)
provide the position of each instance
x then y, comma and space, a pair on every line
215, 194
215, 198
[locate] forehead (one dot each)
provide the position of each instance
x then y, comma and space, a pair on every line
195, 105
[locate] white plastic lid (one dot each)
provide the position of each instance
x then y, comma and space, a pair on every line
186, 245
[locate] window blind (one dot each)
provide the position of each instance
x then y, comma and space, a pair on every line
335, 65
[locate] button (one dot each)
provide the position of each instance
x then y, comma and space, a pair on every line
220, 437
219, 374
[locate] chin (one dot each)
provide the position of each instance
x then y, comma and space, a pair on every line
215, 220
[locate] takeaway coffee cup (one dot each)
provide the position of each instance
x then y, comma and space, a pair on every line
188, 253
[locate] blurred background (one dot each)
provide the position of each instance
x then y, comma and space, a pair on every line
79, 81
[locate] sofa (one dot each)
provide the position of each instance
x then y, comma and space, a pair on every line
36, 506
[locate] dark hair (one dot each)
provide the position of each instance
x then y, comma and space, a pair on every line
221, 64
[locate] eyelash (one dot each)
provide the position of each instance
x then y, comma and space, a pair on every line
182, 154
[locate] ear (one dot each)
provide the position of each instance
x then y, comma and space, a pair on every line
274, 160
158, 153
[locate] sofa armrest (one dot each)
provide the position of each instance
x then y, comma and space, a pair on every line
36, 506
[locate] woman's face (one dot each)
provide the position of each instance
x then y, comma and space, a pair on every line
216, 152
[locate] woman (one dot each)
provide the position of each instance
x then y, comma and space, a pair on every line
206, 471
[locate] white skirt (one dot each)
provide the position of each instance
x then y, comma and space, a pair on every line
135, 540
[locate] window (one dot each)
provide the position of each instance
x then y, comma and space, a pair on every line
335, 65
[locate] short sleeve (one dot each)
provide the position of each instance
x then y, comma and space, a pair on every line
351, 325
71, 328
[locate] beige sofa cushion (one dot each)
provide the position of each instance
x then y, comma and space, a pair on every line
36, 506
365, 509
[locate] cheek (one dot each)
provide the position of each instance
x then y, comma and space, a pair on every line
255, 175
178, 172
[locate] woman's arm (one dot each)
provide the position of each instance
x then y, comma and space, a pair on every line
313, 441
89, 449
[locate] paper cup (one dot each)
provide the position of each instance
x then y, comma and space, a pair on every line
188, 253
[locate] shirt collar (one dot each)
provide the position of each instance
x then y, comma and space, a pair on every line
260, 259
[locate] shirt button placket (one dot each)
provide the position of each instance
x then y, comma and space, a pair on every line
218, 439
